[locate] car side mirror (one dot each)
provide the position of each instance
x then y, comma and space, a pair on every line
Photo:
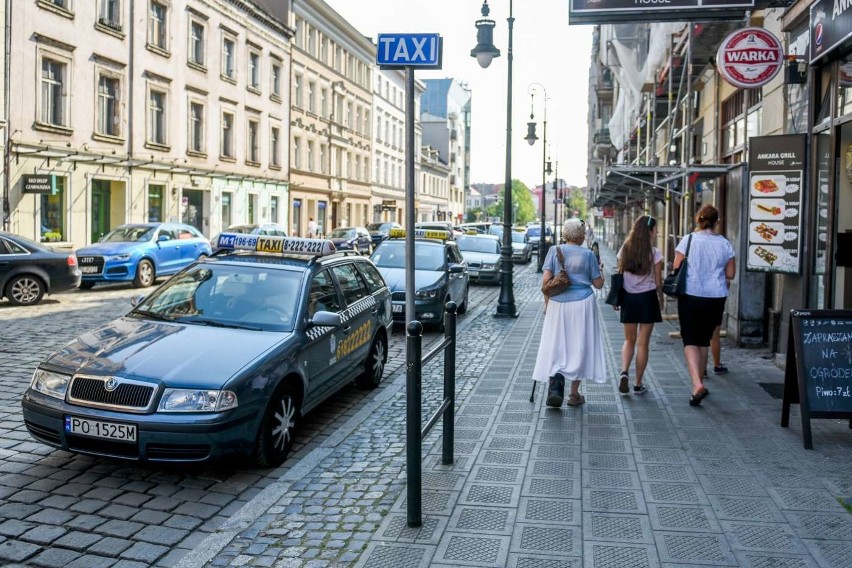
326, 319
136, 300
456, 268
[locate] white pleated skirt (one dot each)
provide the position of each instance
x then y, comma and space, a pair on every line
571, 343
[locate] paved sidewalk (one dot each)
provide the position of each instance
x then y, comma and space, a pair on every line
622, 481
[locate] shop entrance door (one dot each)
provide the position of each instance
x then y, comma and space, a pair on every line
843, 233
192, 205
100, 209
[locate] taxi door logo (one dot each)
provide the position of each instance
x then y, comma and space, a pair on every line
358, 339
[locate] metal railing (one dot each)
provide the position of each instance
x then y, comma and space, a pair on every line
414, 435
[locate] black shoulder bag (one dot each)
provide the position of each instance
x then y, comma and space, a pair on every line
675, 283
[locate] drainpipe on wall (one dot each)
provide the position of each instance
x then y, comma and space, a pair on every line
130, 74
7, 207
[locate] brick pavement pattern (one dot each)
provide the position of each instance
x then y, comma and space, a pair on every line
623, 481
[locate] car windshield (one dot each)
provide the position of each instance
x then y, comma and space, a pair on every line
243, 229
519, 237
342, 234
536, 232
391, 254
380, 227
475, 244
129, 235
220, 295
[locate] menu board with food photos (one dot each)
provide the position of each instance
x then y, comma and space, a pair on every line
775, 190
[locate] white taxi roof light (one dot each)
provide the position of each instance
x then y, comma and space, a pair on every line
439, 234
273, 244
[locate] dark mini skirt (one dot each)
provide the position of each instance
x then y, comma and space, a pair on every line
699, 317
643, 307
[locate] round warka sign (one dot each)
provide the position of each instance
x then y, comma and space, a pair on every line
750, 58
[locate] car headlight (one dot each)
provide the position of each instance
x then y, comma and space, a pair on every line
428, 294
191, 400
50, 383
120, 257
489, 266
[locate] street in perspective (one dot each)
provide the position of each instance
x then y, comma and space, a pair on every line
322, 283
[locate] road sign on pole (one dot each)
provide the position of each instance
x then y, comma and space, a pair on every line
398, 51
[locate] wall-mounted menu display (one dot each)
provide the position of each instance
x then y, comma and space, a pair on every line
819, 367
776, 165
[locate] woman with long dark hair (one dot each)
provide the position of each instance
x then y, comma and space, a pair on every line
710, 269
641, 264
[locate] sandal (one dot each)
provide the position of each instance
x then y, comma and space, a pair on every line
720, 370
623, 387
575, 400
695, 400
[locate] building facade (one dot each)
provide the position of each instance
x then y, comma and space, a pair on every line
446, 115
147, 111
432, 200
680, 136
331, 120
389, 110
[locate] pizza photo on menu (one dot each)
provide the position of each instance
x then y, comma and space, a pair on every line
768, 185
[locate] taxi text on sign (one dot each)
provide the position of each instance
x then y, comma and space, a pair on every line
409, 50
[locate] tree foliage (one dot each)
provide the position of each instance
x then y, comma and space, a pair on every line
522, 204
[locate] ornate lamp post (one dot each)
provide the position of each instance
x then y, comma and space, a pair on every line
484, 52
545, 165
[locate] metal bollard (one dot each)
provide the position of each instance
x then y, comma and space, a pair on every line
449, 383
413, 380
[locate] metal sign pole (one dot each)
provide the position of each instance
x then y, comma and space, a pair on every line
409, 195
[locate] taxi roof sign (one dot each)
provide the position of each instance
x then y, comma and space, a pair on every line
421, 233
275, 245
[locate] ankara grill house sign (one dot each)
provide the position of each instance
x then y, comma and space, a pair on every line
750, 58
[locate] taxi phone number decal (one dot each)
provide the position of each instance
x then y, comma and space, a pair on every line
289, 245
358, 338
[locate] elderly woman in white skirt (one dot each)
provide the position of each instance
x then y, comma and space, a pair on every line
571, 346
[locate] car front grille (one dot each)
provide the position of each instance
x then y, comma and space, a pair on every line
474, 265
91, 261
177, 452
398, 296
111, 392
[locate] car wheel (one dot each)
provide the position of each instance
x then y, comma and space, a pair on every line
463, 306
144, 274
374, 365
87, 285
277, 429
25, 290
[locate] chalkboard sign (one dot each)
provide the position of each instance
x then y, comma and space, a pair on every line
818, 376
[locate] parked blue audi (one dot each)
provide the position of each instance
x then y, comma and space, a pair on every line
139, 253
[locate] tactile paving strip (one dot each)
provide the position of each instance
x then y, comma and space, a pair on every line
613, 501
471, 422
607, 461
480, 399
695, 519
547, 511
471, 549
662, 472
607, 556
516, 417
395, 556
834, 554
558, 424
720, 466
505, 443
601, 445
725, 485
548, 539
706, 549
503, 458
644, 427
646, 414
515, 406
545, 487
601, 407
656, 441
397, 528
759, 560
556, 452
768, 537
603, 419
498, 474
474, 409
702, 434
468, 434
806, 500
614, 527
442, 480
561, 469
747, 509
486, 519
513, 429
557, 437
490, 495
520, 561
822, 525
664, 455
616, 479
683, 493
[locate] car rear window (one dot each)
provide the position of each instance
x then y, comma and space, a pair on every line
372, 276
352, 285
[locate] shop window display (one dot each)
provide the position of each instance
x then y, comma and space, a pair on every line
53, 213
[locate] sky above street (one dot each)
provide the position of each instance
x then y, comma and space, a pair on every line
546, 51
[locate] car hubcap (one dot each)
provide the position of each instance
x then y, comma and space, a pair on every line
146, 272
25, 291
378, 360
283, 423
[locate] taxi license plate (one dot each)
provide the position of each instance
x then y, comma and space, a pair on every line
98, 429
89, 269
474, 272
398, 308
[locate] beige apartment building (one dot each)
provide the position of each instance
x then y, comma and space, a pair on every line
331, 121
176, 111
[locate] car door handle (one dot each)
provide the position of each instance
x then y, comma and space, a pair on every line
347, 329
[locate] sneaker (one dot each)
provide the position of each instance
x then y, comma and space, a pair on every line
639, 389
623, 387
720, 370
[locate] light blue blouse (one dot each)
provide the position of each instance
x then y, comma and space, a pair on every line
581, 264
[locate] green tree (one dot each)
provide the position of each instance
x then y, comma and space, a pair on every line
522, 204
577, 202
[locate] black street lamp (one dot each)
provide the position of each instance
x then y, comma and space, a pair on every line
484, 52
545, 166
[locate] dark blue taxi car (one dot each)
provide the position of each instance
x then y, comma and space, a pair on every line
222, 360
139, 253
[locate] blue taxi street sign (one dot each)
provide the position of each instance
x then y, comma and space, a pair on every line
422, 51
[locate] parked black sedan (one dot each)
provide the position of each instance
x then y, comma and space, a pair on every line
29, 270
